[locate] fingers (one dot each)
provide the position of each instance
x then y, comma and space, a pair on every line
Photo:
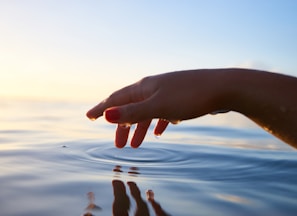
134, 190
130, 94
140, 133
161, 127
136, 103
133, 112
141, 206
96, 111
122, 133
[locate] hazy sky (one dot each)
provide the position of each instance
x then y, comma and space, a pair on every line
84, 49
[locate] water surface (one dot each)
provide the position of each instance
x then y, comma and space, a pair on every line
56, 162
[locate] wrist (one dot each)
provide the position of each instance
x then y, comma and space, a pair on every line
227, 90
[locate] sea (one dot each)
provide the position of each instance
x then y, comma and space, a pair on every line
54, 161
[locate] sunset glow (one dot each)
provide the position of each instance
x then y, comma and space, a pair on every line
84, 50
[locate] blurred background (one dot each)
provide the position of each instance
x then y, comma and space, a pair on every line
83, 50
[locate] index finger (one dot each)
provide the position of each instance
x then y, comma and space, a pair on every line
126, 95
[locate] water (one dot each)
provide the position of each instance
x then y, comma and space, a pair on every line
54, 161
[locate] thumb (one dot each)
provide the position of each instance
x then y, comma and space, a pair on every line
131, 113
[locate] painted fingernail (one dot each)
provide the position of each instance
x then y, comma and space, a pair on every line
112, 115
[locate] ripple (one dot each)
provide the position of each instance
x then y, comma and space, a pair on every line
188, 162
144, 156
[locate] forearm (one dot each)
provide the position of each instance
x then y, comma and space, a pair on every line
268, 99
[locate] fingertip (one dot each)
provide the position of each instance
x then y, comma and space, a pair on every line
139, 133
121, 137
97, 110
120, 142
131, 184
137, 140
91, 115
161, 127
135, 145
94, 113
119, 145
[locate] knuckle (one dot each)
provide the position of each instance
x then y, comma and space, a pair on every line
144, 80
147, 87
129, 114
113, 98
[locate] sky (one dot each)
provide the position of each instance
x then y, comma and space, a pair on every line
84, 50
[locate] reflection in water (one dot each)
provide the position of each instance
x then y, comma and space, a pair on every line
121, 204
156, 206
141, 206
193, 171
132, 171
92, 206
232, 198
117, 168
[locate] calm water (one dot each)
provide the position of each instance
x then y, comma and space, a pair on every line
56, 162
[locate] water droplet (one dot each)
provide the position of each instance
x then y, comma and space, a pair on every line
268, 129
157, 136
175, 121
125, 125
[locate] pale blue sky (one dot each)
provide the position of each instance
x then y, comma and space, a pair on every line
86, 49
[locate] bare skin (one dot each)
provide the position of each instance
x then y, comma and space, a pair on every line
269, 99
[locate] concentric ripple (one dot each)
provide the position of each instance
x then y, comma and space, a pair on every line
188, 161
144, 156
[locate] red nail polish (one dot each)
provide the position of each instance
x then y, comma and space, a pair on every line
112, 115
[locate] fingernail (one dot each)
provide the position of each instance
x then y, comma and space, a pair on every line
112, 115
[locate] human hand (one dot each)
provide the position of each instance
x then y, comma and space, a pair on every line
170, 97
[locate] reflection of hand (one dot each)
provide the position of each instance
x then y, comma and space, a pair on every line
141, 206
92, 206
156, 206
121, 202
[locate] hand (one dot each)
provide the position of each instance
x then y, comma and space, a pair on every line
170, 97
